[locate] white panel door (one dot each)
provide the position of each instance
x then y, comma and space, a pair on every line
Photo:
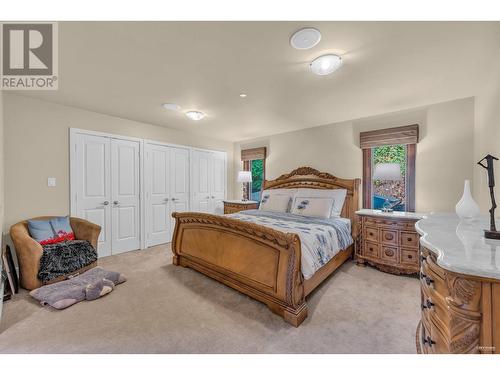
179, 183
125, 195
218, 183
202, 181
157, 185
93, 201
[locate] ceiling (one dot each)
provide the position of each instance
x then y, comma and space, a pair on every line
128, 69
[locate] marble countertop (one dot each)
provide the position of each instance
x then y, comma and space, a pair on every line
394, 214
460, 245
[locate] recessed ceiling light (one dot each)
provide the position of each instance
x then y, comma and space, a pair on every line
195, 115
171, 106
243, 95
305, 38
325, 64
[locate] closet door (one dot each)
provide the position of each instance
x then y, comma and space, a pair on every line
93, 186
218, 183
158, 185
125, 195
179, 183
201, 181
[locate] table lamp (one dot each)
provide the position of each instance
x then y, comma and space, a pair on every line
388, 172
244, 177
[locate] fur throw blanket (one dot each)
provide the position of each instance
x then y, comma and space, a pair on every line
65, 257
89, 286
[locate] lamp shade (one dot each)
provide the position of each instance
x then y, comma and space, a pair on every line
244, 176
387, 172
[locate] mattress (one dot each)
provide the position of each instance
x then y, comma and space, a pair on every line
321, 239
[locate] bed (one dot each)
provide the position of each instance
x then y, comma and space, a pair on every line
263, 261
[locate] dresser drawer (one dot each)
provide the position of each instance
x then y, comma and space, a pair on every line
409, 239
432, 282
381, 222
371, 234
389, 253
434, 341
434, 308
389, 237
231, 208
371, 250
409, 256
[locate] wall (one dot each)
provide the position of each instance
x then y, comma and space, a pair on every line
444, 153
2, 196
38, 147
487, 139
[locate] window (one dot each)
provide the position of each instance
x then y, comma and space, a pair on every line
390, 190
254, 189
389, 168
254, 160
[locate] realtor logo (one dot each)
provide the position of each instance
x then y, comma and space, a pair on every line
29, 56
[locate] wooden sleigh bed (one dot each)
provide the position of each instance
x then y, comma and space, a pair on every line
256, 260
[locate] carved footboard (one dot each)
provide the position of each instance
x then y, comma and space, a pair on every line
256, 260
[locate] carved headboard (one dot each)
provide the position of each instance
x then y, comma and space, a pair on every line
306, 177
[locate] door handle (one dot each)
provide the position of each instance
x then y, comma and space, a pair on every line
174, 199
166, 199
116, 203
105, 203
212, 197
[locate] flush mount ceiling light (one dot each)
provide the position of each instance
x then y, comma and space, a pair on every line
325, 64
171, 106
243, 95
195, 115
305, 38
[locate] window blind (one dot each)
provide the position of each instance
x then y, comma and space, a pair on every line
253, 154
402, 135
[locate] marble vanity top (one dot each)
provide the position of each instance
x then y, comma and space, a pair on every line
394, 214
460, 245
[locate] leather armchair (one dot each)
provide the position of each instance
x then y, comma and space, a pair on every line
29, 251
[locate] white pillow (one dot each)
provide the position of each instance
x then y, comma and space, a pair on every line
290, 192
275, 203
338, 196
313, 206
266, 194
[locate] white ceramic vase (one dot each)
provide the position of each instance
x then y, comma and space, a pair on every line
466, 207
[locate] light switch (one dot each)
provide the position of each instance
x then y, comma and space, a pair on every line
51, 181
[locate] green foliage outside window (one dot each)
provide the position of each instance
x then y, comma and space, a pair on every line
257, 175
391, 154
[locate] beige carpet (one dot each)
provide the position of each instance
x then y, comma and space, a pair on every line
168, 309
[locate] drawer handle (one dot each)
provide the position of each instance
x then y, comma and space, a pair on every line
429, 341
389, 236
427, 305
410, 256
426, 278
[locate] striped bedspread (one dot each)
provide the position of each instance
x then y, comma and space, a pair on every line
321, 239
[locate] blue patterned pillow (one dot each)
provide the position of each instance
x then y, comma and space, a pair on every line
41, 231
51, 231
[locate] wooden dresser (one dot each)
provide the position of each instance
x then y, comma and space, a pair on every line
460, 287
230, 207
388, 241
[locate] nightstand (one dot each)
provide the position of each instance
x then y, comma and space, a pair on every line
230, 207
389, 241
